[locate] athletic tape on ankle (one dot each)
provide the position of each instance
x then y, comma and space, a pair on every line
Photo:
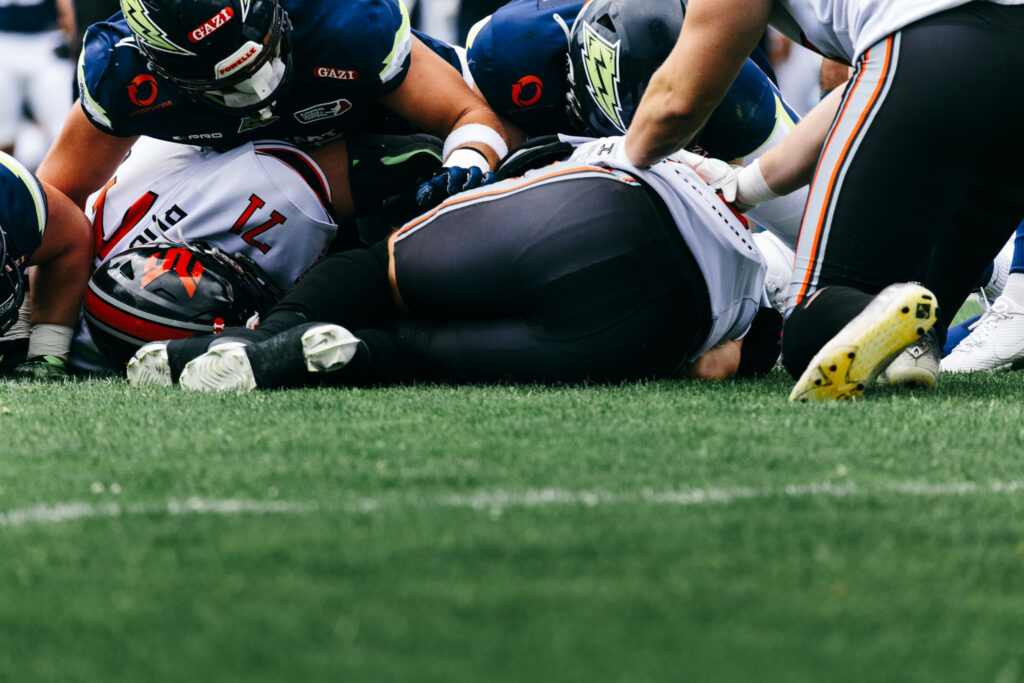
50, 340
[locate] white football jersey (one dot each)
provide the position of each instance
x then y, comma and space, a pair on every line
267, 200
844, 29
721, 244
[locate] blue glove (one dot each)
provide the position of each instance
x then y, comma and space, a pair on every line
451, 181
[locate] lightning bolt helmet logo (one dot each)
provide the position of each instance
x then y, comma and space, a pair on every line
142, 25
601, 59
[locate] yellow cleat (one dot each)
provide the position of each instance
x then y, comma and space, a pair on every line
898, 316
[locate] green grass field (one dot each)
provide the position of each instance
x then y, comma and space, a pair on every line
646, 532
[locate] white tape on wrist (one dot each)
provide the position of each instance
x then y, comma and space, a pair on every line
467, 157
474, 132
751, 187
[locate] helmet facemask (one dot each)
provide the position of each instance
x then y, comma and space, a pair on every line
258, 92
12, 287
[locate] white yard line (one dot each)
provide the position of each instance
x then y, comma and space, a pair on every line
494, 501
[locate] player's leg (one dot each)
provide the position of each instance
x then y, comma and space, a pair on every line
647, 337
898, 163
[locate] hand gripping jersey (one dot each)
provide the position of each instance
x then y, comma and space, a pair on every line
518, 57
346, 55
266, 200
843, 29
733, 267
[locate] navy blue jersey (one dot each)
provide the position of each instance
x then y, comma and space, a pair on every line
519, 59
345, 56
28, 16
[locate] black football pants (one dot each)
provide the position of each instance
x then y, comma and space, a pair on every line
570, 279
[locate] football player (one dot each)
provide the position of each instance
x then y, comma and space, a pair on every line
32, 74
905, 185
221, 73
530, 59
41, 228
645, 273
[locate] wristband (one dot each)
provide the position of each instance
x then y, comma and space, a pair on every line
474, 132
467, 157
751, 187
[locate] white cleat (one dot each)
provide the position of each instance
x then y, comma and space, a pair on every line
898, 316
778, 260
1000, 274
327, 348
917, 366
222, 368
996, 341
149, 366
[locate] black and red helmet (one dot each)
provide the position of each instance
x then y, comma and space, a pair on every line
168, 291
233, 55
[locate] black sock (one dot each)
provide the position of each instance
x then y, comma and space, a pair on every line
279, 361
817, 319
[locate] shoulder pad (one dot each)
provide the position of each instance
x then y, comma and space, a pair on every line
393, 21
369, 40
107, 65
518, 58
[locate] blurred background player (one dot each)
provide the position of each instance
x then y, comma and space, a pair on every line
36, 75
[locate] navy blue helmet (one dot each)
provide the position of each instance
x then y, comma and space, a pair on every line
232, 55
614, 49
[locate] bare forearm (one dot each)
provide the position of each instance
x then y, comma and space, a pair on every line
436, 98
82, 158
790, 164
716, 38
60, 266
